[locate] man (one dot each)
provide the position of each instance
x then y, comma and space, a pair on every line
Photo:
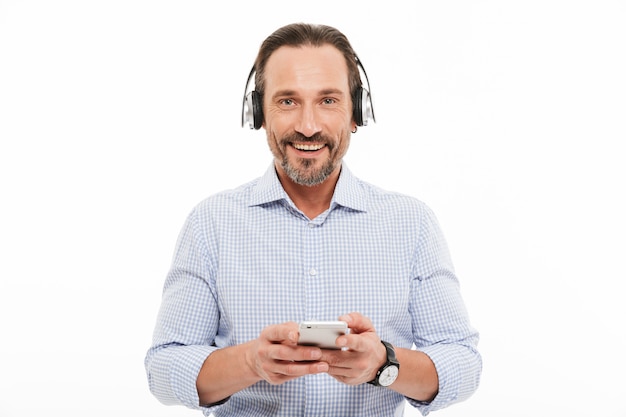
309, 241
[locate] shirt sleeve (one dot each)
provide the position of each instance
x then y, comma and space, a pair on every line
186, 326
441, 326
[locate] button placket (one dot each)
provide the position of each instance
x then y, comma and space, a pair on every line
311, 259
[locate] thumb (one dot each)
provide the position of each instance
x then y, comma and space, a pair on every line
358, 323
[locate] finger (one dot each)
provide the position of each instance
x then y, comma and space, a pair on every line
348, 380
281, 369
296, 369
353, 342
287, 371
347, 367
295, 353
344, 374
281, 333
358, 323
351, 367
283, 363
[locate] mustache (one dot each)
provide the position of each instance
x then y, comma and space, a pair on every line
300, 138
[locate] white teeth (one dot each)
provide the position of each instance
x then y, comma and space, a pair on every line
305, 147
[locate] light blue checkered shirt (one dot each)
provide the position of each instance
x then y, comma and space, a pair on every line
248, 258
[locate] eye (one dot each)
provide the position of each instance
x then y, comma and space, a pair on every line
287, 102
329, 101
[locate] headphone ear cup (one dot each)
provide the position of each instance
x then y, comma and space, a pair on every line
257, 109
357, 106
252, 111
362, 109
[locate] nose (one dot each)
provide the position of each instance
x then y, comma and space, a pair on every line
308, 123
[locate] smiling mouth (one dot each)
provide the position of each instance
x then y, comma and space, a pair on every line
307, 147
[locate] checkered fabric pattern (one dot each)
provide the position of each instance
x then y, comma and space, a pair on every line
247, 258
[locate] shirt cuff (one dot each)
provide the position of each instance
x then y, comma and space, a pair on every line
454, 364
174, 371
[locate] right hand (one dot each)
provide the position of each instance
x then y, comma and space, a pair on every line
276, 357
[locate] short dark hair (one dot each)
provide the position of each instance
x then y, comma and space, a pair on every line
305, 34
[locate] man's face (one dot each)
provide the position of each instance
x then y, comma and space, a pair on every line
308, 111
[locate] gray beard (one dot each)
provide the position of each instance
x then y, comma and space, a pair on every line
307, 177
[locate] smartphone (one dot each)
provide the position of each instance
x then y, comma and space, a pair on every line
322, 334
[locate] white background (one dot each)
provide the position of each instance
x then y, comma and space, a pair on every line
506, 117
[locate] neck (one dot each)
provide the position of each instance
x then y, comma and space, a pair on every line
311, 200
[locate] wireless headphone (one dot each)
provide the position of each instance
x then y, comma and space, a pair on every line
362, 108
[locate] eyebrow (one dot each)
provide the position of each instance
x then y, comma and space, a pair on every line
331, 91
324, 92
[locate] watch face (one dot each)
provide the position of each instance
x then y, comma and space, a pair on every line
388, 375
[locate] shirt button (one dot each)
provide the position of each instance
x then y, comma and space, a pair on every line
312, 272
311, 225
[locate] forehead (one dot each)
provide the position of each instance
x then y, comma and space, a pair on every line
306, 67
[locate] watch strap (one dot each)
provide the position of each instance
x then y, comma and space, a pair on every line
391, 360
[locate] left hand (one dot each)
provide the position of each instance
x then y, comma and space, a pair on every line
364, 355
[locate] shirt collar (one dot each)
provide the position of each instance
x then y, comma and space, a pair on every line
349, 191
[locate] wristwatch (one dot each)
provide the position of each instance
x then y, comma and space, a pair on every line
387, 373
